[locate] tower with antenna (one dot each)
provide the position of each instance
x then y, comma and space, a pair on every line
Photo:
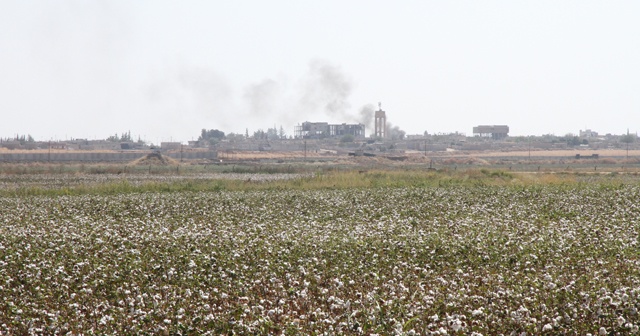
380, 123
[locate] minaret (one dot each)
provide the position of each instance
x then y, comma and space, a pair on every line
380, 123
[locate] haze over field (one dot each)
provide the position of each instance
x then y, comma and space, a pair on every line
164, 70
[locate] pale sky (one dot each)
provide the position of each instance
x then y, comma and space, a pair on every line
166, 69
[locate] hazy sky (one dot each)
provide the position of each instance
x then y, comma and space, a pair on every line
166, 69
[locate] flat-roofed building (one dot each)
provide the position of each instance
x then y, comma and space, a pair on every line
496, 132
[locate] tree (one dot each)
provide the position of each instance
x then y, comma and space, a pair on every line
272, 133
572, 140
233, 137
259, 134
125, 137
628, 139
347, 138
114, 138
212, 134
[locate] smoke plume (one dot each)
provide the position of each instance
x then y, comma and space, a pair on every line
325, 89
322, 92
264, 98
366, 116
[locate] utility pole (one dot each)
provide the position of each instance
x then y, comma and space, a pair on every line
628, 140
425, 146
305, 150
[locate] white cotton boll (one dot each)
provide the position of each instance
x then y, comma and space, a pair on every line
602, 331
477, 312
621, 320
547, 327
456, 325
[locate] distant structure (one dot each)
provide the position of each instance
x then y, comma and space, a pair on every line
380, 123
322, 130
588, 134
165, 146
496, 132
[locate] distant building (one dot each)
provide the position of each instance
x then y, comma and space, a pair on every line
167, 146
588, 134
321, 130
83, 144
340, 130
311, 130
496, 132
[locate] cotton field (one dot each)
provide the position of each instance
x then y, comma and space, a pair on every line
462, 260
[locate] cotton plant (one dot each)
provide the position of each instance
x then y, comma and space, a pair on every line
440, 261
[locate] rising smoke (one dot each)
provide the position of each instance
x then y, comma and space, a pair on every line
325, 89
264, 97
322, 92
366, 116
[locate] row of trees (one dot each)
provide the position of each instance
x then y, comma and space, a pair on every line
124, 137
213, 136
20, 138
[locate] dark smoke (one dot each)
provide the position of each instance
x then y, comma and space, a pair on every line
325, 89
395, 133
322, 92
263, 97
366, 116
